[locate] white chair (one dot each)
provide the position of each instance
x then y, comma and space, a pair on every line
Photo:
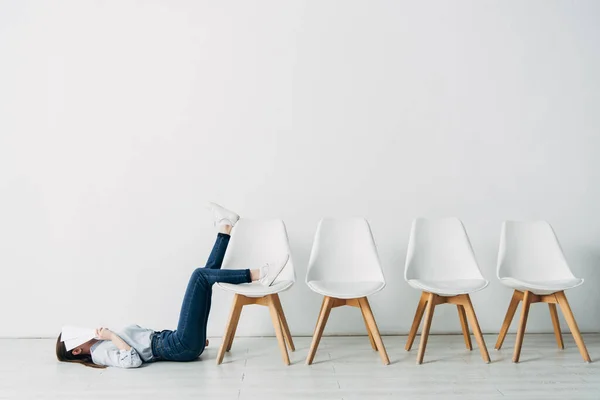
531, 262
344, 267
252, 244
440, 263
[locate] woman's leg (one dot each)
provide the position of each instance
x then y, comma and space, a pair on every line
215, 259
188, 341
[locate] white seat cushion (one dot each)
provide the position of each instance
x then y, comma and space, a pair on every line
449, 288
255, 289
541, 286
346, 290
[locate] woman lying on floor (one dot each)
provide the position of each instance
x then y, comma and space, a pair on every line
135, 345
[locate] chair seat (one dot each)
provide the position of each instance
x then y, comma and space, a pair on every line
346, 290
448, 287
256, 289
540, 286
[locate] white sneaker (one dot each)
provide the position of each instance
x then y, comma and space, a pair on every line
270, 271
223, 216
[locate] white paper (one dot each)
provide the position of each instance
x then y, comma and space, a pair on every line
74, 336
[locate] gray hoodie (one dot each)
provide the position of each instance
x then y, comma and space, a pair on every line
106, 353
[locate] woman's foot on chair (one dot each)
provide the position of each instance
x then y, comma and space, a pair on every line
270, 271
223, 216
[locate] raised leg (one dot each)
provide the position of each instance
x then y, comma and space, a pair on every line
321, 322
465, 326
278, 329
416, 321
284, 324
236, 308
522, 325
372, 326
217, 254
373, 344
431, 300
556, 325
510, 313
566, 310
470, 311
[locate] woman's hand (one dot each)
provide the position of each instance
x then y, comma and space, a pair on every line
107, 334
104, 334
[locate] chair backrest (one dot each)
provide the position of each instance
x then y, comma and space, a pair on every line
530, 251
344, 251
440, 250
256, 242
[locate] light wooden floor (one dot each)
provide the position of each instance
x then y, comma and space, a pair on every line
344, 368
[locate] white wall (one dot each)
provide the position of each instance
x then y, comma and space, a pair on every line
118, 120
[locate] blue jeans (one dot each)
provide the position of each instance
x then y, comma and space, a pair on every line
187, 342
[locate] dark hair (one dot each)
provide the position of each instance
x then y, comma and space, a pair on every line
67, 356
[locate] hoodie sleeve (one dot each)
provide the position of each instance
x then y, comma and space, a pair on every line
117, 358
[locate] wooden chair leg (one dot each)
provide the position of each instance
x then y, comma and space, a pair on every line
510, 313
465, 326
236, 308
321, 322
284, 324
566, 310
234, 326
470, 311
416, 321
371, 339
556, 325
429, 309
522, 326
372, 326
278, 329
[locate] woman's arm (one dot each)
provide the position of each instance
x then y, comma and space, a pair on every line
123, 356
113, 357
107, 334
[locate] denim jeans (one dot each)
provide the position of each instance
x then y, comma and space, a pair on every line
187, 342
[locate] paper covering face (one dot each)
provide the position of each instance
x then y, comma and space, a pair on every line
74, 336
